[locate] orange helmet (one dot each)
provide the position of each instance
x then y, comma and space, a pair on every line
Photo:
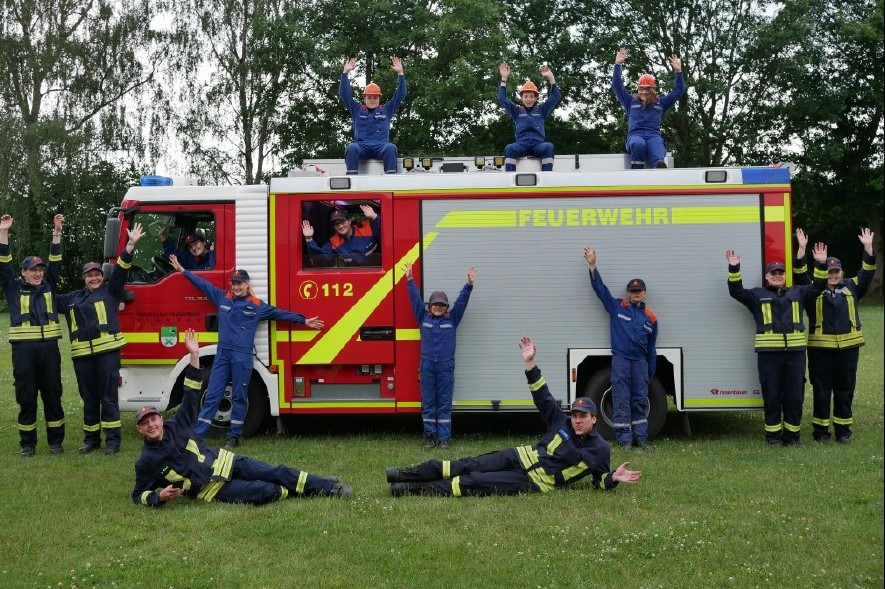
647, 81
529, 86
372, 89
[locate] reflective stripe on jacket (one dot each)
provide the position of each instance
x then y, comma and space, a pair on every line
33, 310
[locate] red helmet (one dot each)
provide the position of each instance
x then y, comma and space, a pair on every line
529, 86
647, 81
372, 89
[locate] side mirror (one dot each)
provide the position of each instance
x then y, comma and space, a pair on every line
111, 237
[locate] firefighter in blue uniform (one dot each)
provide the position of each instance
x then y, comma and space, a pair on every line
352, 244
239, 312
371, 121
95, 346
438, 325
634, 333
34, 331
569, 451
835, 338
196, 255
176, 461
780, 341
529, 119
644, 111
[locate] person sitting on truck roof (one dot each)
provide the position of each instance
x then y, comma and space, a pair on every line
356, 243
196, 255
634, 333
835, 337
239, 313
371, 120
569, 451
529, 118
780, 340
175, 461
644, 110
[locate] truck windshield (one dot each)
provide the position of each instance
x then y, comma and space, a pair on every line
189, 236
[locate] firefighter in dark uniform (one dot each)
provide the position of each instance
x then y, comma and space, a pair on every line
568, 452
835, 338
780, 341
95, 346
34, 332
176, 461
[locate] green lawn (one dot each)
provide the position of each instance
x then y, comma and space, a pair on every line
719, 509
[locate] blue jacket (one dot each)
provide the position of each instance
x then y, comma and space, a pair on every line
645, 121
33, 310
181, 458
777, 313
187, 259
371, 125
438, 333
634, 329
92, 315
354, 249
529, 121
561, 456
834, 317
238, 317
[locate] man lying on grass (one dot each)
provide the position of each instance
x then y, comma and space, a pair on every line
568, 452
175, 460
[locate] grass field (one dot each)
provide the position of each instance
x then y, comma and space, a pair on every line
719, 509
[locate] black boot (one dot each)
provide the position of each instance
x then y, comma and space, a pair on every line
403, 475
400, 489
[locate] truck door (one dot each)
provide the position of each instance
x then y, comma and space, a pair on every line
343, 275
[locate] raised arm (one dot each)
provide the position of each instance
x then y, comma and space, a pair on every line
415, 301
53, 269
401, 88
547, 406
503, 100
618, 87
457, 310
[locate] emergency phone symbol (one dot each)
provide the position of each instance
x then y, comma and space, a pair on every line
308, 290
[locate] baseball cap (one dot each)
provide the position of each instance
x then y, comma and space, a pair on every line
32, 262
144, 412
89, 267
584, 404
775, 266
636, 284
834, 264
192, 238
438, 296
338, 215
239, 276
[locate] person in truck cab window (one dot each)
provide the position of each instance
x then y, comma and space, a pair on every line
239, 312
356, 243
197, 253
569, 451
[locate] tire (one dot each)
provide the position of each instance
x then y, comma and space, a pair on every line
257, 407
598, 388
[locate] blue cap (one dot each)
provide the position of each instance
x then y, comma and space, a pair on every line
32, 262
240, 276
584, 404
834, 264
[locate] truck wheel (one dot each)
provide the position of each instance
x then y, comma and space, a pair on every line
598, 388
257, 408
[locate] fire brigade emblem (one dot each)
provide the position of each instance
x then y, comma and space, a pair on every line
169, 336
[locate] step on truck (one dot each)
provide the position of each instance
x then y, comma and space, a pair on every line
524, 231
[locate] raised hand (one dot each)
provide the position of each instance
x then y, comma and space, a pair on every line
504, 70
135, 233
866, 238
307, 229
349, 65
732, 257
407, 269
620, 56
58, 221
590, 256
396, 65
6, 222
173, 260
548, 73
675, 63
471, 275
820, 252
527, 349
369, 212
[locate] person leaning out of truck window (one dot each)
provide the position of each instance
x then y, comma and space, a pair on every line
371, 120
529, 119
780, 340
438, 325
34, 331
568, 452
644, 110
197, 253
175, 461
634, 333
353, 243
835, 338
239, 312
95, 346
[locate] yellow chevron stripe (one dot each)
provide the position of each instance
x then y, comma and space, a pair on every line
408, 335
477, 219
724, 215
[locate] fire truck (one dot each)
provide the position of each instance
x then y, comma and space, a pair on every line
525, 231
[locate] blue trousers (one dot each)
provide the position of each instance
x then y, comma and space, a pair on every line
256, 482
646, 147
437, 390
782, 376
97, 381
364, 150
833, 374
543, 150
229, 367
630, 398
494, 473
36, 370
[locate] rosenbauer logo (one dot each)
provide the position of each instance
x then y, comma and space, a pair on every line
733, 392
